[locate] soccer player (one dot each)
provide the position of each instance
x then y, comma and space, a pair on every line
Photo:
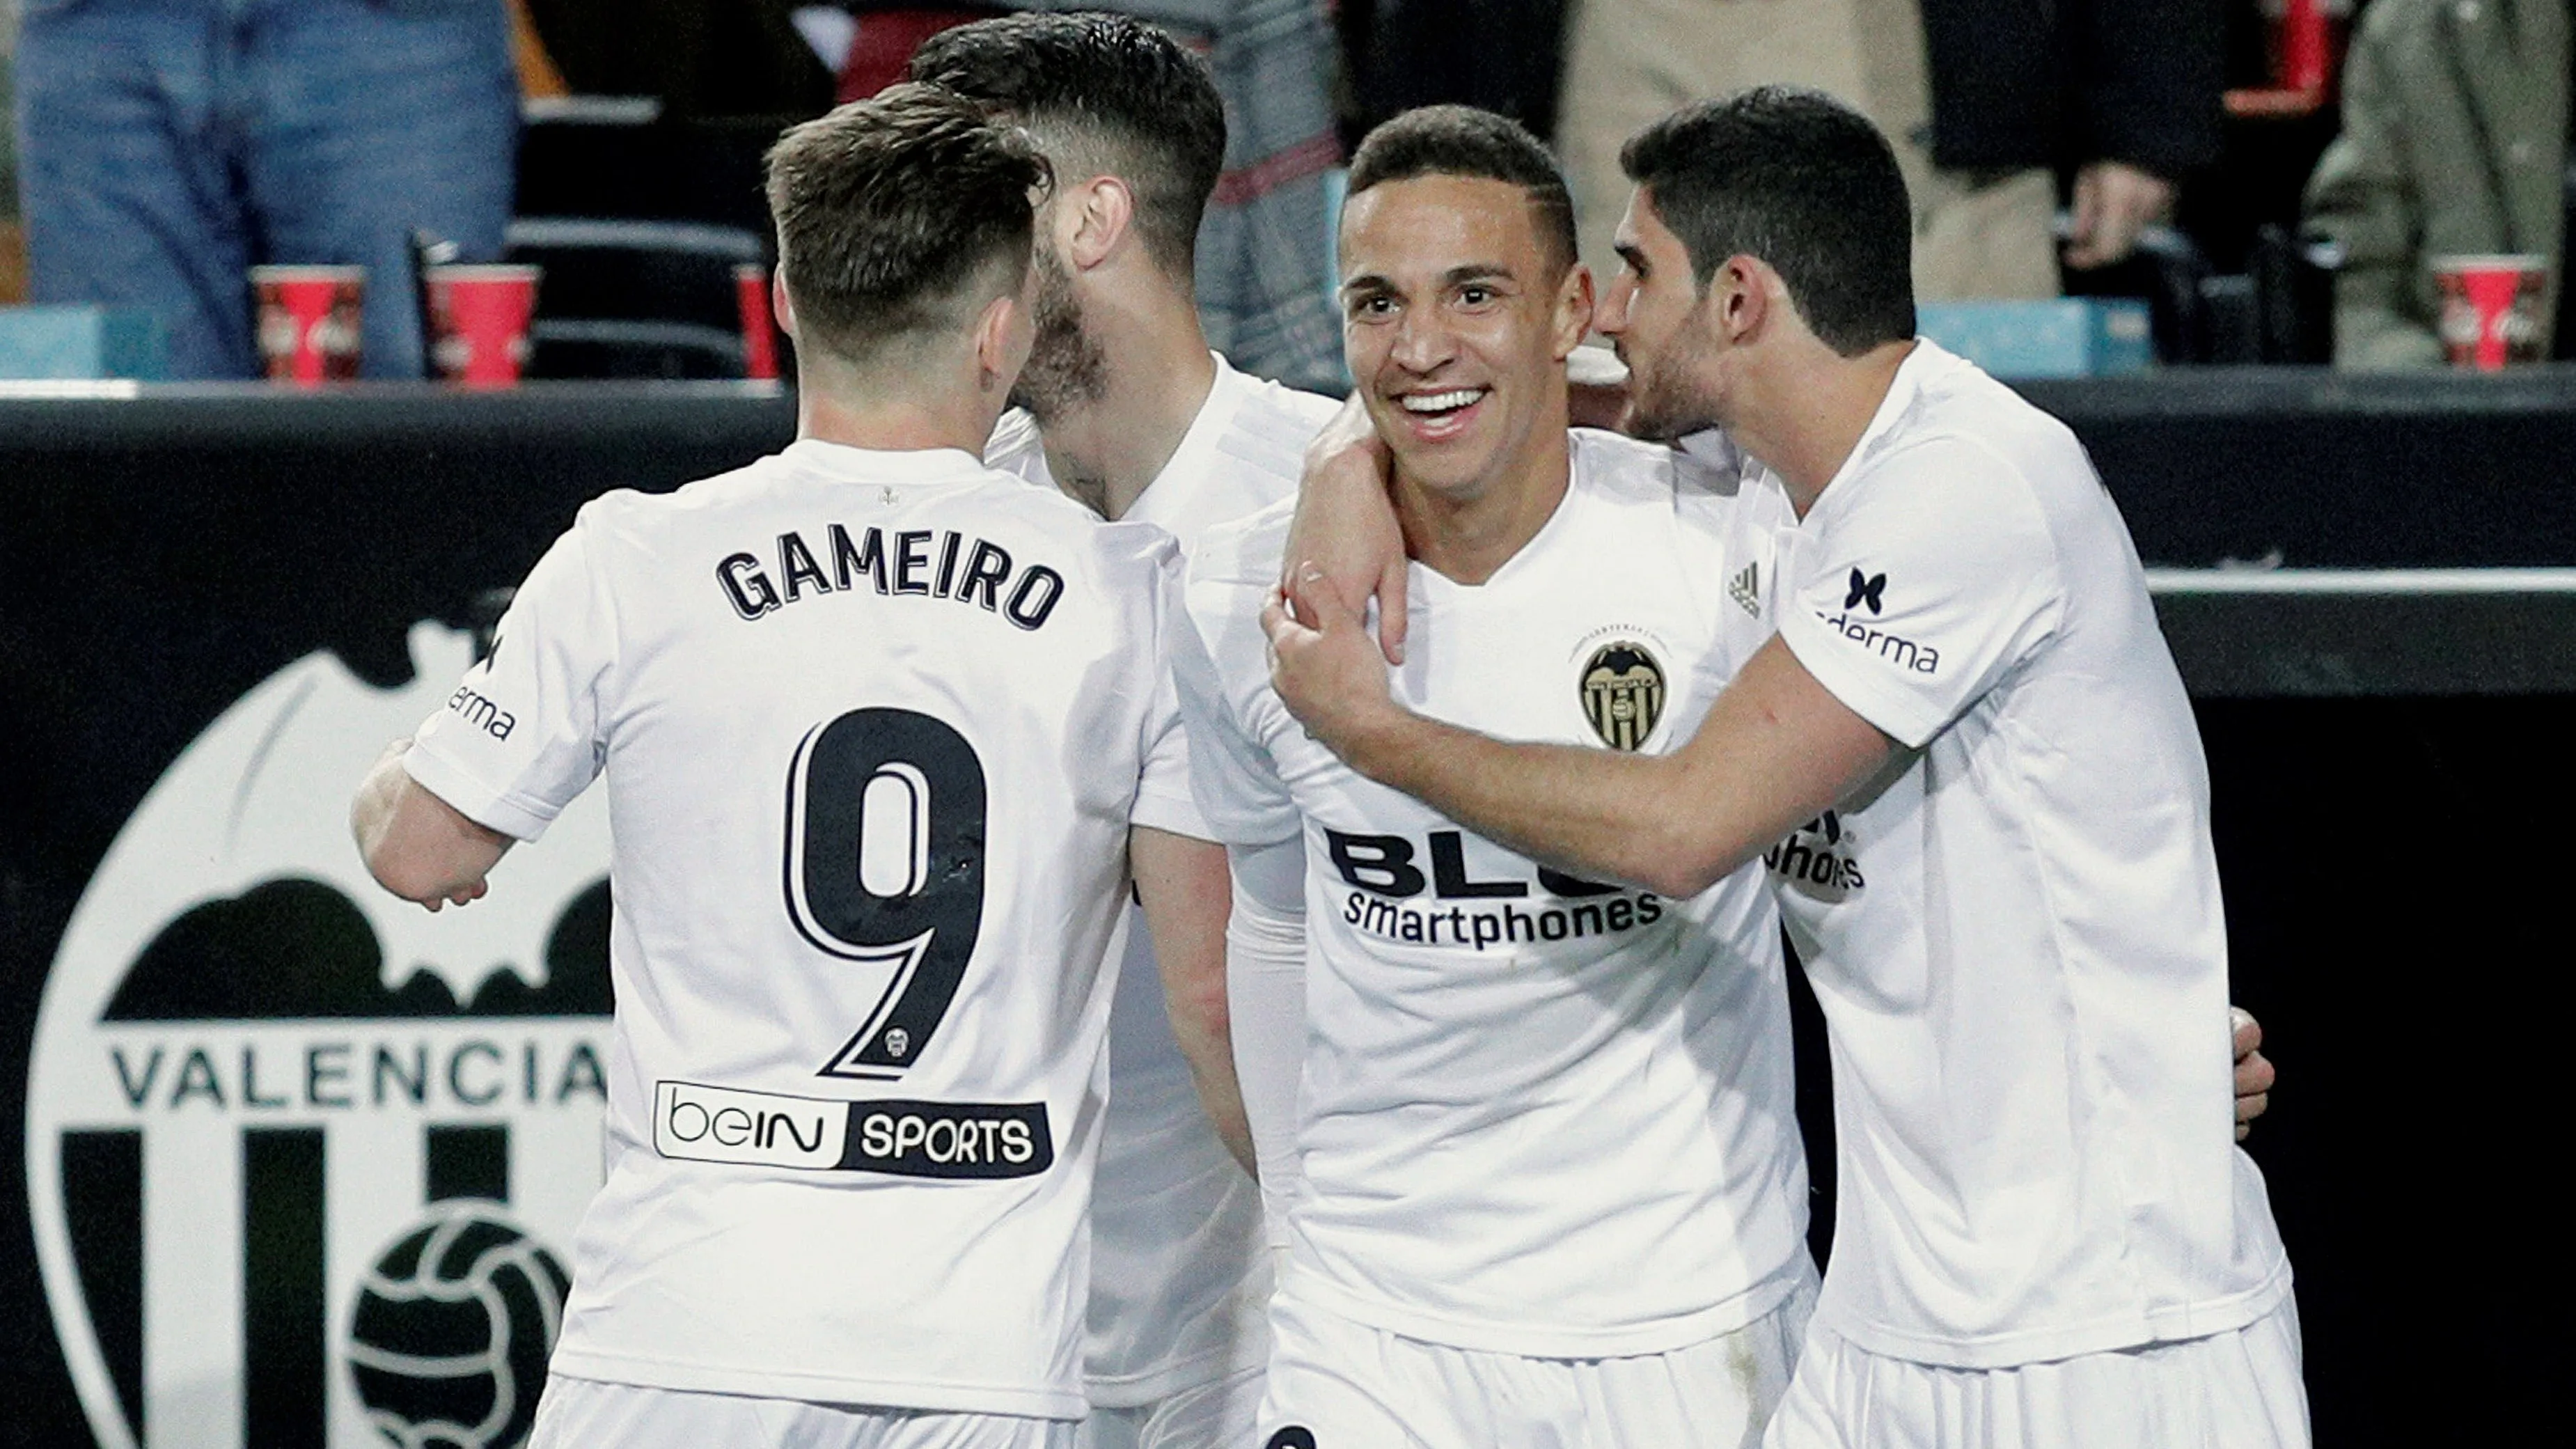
1127, 409
1553, 1190
881, 729
2004, 887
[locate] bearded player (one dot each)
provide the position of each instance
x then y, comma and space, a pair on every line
2044, 1237
1125, 408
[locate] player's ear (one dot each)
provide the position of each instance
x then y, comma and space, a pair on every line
1574, 304
1103, 213
1003, 334
1737, 303
781, 305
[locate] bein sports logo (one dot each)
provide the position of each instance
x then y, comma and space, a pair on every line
280, 1124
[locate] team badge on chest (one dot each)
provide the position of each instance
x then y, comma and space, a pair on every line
1622, 689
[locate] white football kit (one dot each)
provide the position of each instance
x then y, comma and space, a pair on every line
2016, 935
1541, 1118
1179, 1282
875, 726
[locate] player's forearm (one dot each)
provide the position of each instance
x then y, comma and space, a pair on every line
416, 845
1208, 1046
1187, 890
1596, 814
1776, 748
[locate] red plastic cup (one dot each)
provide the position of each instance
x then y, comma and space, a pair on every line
2491, 308
478, 322
308, 322
759, 332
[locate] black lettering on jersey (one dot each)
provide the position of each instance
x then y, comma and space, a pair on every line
948, 1139
745, 586
1384, 864
1035, 598
985, 570
947, 566
1449, 871
965, 568
1380, 863
796, 565
867, 558
482, 713
1488, 927
1558, 883
911, 556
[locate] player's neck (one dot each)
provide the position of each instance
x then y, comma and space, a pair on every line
894, 422
1806, 413
1467, 534
1109, 450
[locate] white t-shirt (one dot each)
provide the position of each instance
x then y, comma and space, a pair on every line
874, 726
1539, 1116
1178, 1282
2015, 931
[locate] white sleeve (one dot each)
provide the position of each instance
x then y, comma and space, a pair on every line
521, 736
1265, 987
1233, 777
1913, 600
1163, 794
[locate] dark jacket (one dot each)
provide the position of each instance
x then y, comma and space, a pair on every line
2019, 83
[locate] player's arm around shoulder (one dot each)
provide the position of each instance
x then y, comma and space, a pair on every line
1776, 748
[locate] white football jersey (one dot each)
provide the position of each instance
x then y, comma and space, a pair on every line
2016, 930
874, 726
1178, 1284
1540, 1115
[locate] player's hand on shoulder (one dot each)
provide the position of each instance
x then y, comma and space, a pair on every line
1345, 529
2255, 1074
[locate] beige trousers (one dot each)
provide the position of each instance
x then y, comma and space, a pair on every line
1631, 62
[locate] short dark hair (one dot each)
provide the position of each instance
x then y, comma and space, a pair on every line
897, 215
1100, 91
1466, 141
1801, 181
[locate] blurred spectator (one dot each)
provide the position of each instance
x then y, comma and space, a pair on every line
1982, 98
165, 146
2454, 140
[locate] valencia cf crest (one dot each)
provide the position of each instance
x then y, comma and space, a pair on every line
1623, 693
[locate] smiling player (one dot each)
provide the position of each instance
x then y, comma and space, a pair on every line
1553, 1187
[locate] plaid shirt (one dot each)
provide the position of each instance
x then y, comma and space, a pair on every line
1264, 284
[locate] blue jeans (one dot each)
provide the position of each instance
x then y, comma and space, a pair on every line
166, 146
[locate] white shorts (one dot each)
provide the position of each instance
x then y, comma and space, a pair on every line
1215, 1415
587, 1414
1335, 1384
2235, 1390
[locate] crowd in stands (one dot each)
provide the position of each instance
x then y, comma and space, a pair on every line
155, 153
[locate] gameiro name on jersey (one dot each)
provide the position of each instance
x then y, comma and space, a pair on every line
1540, 1115
875, 726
